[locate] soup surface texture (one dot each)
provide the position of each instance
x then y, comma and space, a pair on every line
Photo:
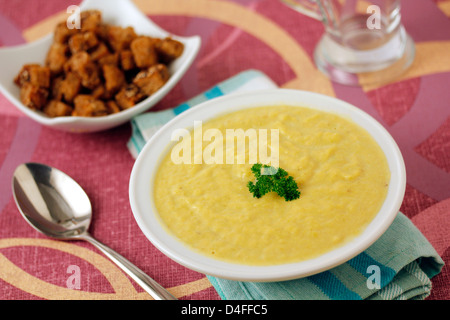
341, 172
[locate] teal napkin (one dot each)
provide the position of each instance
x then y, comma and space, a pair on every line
399, 265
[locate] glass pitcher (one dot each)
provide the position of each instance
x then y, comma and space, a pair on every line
364, 41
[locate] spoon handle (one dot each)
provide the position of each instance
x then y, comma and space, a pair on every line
147, 283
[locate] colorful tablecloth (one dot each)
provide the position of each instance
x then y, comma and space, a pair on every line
236, 36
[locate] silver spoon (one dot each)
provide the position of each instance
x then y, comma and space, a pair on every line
54, 204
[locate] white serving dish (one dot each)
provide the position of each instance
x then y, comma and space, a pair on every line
117, 12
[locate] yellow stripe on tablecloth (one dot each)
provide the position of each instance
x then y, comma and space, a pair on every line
44, 27
431, 57
123, 288
17, 277
444, 6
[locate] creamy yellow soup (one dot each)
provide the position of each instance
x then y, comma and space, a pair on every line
341, 172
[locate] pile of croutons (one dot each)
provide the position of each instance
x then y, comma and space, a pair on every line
96, 70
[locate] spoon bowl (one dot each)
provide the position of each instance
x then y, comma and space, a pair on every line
51, 201
55, 205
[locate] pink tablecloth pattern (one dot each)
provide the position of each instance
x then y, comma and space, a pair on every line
236, 36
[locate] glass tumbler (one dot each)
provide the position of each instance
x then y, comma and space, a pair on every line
364, 43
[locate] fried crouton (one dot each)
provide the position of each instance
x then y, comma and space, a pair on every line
33, 96
24, 74
144, 53
120, 38
88, 106
83, 41
91, 20
85, 68
99, 52
150, 80
127, 60
63, 33
112, 59
57, 57
40, 76
169, 49
114, 78
128, 96
70, 87
112, 106
55, 92
57, 108
34, 74
99, 92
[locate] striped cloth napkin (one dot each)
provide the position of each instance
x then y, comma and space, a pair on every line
399, 265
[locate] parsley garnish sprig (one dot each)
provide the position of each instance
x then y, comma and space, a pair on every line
272, 180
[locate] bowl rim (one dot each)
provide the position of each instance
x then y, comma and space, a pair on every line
92, 124
147, 162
